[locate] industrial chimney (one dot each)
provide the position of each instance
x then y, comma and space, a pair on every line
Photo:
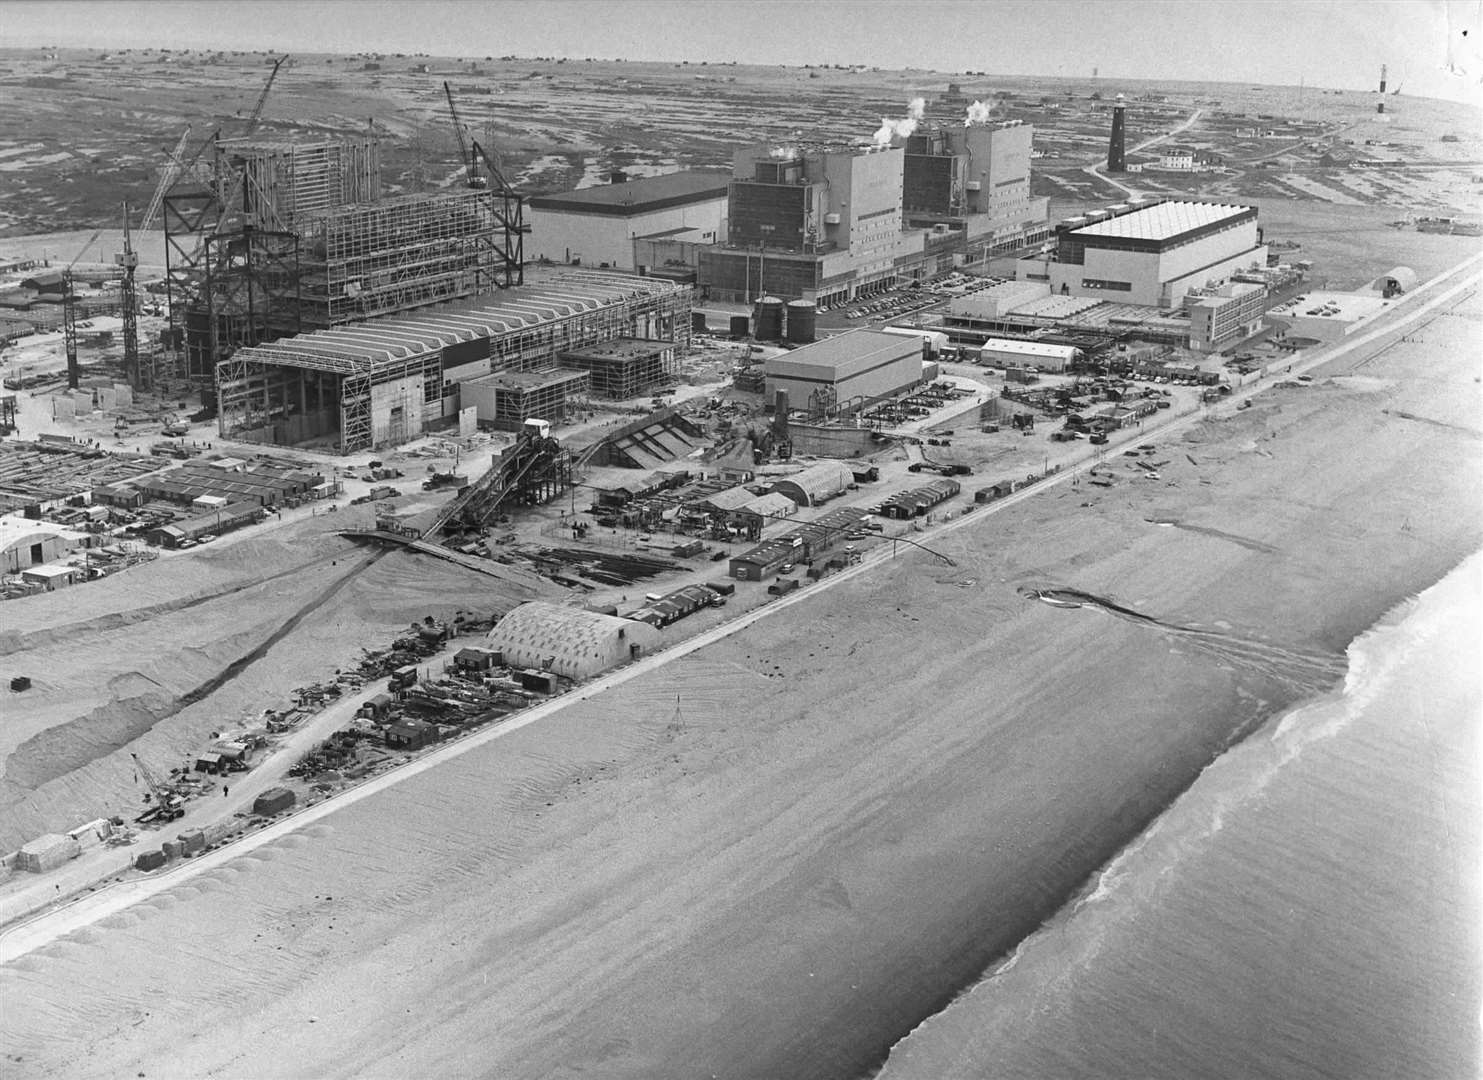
1116, 159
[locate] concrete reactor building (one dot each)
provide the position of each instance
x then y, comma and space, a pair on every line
1151, 254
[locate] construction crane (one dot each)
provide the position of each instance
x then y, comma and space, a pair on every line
167, 805
69, 315
257, 110
129, 259
469, 156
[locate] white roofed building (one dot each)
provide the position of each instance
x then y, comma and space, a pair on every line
572, 642
1149, 253
1003, 352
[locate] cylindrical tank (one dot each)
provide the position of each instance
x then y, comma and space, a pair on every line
741, 326
697, 322
801, 319
769, 319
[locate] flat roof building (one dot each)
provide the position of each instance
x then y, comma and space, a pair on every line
597, 226
845, 372
624, 367
507, 399
1149, 254
1004, 352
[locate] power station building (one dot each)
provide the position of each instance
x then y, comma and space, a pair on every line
845, 372
597, 226
1150, 254
368, 385
822, 225
974, 179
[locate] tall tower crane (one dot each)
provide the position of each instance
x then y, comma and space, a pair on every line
507, 204
468, 156
69, 314
257, 110
129, 259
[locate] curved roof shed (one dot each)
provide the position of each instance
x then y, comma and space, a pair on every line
573, 642
816, 483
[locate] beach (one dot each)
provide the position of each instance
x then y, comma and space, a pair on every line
782, 853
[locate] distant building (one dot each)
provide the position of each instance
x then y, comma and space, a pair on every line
598, 225
1150, 254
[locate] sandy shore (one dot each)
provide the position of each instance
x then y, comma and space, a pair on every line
858, 805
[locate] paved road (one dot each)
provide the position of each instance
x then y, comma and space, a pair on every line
25, 937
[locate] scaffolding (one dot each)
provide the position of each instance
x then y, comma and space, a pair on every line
362, 386
268, 239
508, 399
362, 261
625, 367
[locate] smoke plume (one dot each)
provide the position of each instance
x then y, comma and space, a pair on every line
900, 129
978, 113
783, 153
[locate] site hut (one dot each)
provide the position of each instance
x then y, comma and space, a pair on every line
1008, 353
376, 384
598, 226
1149, 255
229, 517
410, 733
766, 559
475, 659
917, 501
571, 642
846, 372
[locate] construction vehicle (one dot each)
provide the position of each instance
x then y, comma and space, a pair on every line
69, 315
167, 804
506, 204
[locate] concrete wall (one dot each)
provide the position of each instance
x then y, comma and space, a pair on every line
396, 411
560, 235
832, 442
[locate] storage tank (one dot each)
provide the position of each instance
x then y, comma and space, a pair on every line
801, 319
769, 319
697, 322
741, 326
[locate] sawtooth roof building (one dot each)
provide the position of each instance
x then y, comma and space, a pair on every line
1149, 253
368, 385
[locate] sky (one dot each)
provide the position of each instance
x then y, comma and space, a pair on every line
1328, 43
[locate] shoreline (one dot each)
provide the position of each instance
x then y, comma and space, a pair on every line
779, 887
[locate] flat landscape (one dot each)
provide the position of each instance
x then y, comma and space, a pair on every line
614, 891
912, 818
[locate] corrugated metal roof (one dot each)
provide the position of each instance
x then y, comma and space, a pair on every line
358, 346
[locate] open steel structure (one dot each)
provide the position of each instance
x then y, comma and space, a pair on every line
367, 385
265, 239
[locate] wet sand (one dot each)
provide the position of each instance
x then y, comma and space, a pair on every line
859, 805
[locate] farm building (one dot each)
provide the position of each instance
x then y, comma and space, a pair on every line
573, 642
817, 483
367, 385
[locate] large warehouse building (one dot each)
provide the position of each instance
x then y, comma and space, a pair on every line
598, 225
1150, 254
376, 384
846, 372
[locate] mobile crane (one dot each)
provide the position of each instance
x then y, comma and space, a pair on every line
166, 806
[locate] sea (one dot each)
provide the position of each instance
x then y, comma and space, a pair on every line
1312, 906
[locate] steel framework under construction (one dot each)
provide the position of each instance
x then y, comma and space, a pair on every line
271, 238
362, 386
